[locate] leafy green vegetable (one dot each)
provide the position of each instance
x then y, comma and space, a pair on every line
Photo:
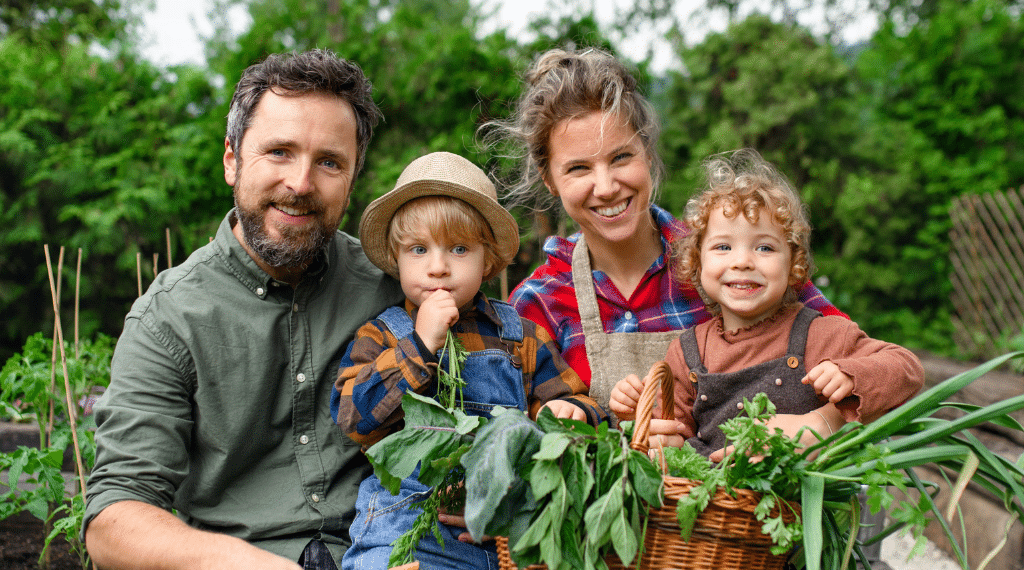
436, 435
586, 491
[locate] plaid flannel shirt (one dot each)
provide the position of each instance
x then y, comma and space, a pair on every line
379, 368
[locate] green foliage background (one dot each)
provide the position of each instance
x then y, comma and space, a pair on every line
105, 151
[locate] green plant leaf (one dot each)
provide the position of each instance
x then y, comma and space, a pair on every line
494, 488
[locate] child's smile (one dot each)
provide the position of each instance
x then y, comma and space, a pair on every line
744, 267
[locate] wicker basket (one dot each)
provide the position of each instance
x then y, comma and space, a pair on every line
726, 536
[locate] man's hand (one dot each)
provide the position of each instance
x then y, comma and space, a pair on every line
436, 315
625, 397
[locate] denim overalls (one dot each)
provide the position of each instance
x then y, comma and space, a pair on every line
493, 377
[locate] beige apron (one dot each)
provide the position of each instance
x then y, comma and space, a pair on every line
616, 355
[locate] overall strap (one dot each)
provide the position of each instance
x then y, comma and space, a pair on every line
798, 334
511, 327
397, 321
691, 352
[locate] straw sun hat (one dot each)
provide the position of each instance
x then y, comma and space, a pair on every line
438, 174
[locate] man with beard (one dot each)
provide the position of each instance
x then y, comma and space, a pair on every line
217, 405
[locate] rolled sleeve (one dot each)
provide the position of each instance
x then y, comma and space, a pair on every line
144, 424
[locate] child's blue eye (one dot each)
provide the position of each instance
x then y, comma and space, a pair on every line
460, 250
418, 249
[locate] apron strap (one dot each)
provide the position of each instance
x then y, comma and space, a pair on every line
586, 296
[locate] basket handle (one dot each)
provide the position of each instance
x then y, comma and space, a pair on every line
660, 376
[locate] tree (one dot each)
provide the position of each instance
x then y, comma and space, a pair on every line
943, 117
768, 86
96, 152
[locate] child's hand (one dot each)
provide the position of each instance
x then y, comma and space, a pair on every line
563, 409
829, 381
625, 396
437, 313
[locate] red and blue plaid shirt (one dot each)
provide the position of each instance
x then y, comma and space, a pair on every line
658, 304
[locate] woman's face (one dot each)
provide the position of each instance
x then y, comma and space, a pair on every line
599, 170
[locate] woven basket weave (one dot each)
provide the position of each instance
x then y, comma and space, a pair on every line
726, 536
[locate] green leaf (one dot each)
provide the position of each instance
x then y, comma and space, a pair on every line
646, 478
624, 538
545, 478
494, 489
552, 446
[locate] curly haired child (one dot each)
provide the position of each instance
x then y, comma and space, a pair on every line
748, 248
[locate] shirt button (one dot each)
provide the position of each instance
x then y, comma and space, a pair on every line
315, 497
628, 315
778, 381
739, 405
260, 291
295, 308
304, 439
703, 397
301, 377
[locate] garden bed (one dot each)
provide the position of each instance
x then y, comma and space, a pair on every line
21, 541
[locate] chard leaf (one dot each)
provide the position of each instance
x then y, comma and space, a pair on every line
495, 492
396, 456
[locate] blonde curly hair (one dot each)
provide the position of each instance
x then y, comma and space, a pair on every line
744, 182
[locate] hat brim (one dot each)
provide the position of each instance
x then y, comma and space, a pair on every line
376, 221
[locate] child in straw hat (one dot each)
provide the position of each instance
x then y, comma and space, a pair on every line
442, 233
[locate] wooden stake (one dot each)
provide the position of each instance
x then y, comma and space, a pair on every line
67, 382
138, 270
53, 352
168, 232
156, 264
78, 290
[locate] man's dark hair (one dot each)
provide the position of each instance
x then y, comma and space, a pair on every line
314, 71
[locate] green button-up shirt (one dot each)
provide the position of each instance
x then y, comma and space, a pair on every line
218, 404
